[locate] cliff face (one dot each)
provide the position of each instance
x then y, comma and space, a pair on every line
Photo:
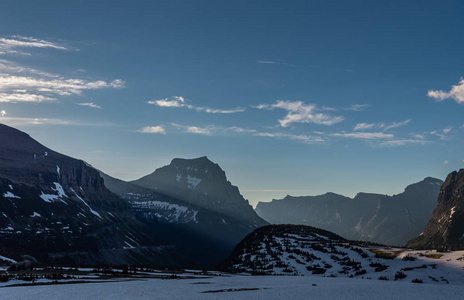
445, 230
378, 218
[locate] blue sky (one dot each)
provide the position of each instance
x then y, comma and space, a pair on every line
289, 97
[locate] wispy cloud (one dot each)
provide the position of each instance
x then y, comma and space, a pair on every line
21, 121
307, 139
176, 101
299, 112
383, 126
397, 124
89, 104
365, 135
10, 45
357, 107
400, 142
270, 62
364, 126
456, 93
40, 89
442, 134
212, 129
153, 129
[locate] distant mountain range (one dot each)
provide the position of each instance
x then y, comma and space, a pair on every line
445, 229
391, 220
59, 210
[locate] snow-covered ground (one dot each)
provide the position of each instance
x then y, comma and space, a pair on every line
238, 287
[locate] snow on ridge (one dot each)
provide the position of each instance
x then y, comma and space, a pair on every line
58, 171
452, 211
48, 197
10, 186
174, 213
192, 182
59, 189
35, 215
10, 195
8, 259
91, 210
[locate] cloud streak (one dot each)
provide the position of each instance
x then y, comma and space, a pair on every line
11, 45
176, 101
89, 104
299, 112
456, 93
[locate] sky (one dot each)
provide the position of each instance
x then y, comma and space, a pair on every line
288, 97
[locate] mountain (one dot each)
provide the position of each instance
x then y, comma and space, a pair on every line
58, 210
307, 251
445, 229
195, 206
203, 183
392, 220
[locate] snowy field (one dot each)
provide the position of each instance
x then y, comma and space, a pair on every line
238, 287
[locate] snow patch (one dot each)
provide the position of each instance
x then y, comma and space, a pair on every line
48, 197
10, 186
35, 215
58, 171
192, 182
59, 189
10, 195
452, 211
91, 210
178, 177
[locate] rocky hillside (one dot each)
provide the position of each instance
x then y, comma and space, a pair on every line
445, 230
391, 220
58, 210
303, 250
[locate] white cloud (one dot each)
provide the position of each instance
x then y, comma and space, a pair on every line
442, 134
301, 138
19, 121
364, 126
24, 97
357, 107
153, 129
11, 45
456, 93
396, 143
3, 113
270, 62
89, 104
447, 130
365, 135
397, 124
213, 129
299, 112
445, 162
39, 89
176, 101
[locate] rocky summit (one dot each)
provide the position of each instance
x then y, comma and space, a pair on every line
445, 230
203, 183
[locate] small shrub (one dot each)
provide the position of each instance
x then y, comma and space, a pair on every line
417, 281
400, 275
383, 278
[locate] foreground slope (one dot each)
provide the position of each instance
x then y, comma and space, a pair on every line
304, 250
392, 220
445, 230
58, 210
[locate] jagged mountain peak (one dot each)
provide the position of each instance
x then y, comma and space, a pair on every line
201, 182
445, 229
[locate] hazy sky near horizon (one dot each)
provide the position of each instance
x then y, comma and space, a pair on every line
288, 97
